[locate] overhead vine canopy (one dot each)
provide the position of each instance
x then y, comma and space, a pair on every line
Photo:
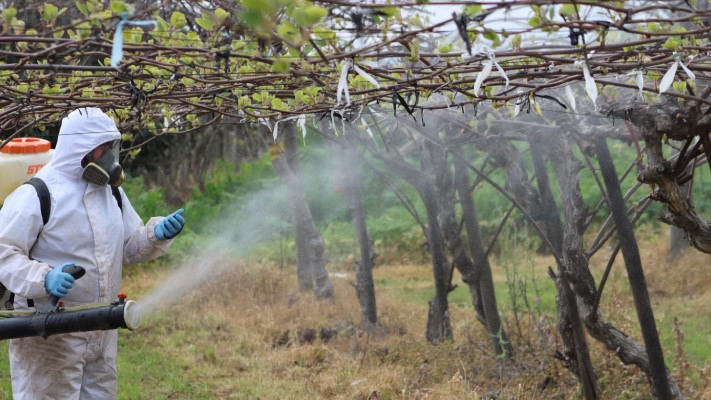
182, 65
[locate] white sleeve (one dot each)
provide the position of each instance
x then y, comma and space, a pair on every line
140, 242
20, 224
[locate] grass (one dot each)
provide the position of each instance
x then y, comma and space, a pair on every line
246, 334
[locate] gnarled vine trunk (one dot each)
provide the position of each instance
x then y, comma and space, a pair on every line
311, 264
439, 326
567, 168
570, 325
478, 276
364, 286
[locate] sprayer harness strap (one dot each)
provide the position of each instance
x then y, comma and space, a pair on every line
43, 195
7, 298
46, 201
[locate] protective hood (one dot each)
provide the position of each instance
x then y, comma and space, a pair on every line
82, 130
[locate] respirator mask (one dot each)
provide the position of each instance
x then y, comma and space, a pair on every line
105, 169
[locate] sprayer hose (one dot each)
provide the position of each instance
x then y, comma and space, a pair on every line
26, 313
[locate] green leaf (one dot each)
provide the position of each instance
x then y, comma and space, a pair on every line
206, 22
309, 15
444, 48
323, 33
472, 10
294, 52
280, 66
414, 52
50, 12
9, 13
567, 10
221, 15
119, 7
680, 87
178, 20
490, 35
654, 27
18, 26
84, 30
52, 90
261, 6
534, 21
390, 11
516, 41
671, 44
252, 18
287, 30
82, 7
244, 101
416, 22
106, 14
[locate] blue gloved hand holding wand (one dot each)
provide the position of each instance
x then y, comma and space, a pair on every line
57, 282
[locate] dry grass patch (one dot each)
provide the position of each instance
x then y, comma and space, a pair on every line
247, 334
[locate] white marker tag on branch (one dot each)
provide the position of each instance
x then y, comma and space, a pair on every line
687, 71
368, 63
366, 76
266, 123
333, 123
302, 126
275, 131
640, 82
571, 98
492, 57
590, 85
485, 72
367, 129
668, 78
343, 83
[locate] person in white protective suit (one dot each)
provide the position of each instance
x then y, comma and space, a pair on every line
86, 228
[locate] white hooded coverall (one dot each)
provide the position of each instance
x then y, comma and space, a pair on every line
85, 227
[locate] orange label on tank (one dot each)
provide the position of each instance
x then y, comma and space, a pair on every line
33, 169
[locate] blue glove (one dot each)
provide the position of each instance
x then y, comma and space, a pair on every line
58, 282
171, 226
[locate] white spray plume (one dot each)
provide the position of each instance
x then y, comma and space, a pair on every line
230, 238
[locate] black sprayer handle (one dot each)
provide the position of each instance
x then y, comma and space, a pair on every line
76, 272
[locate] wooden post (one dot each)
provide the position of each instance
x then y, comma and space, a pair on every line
635, 274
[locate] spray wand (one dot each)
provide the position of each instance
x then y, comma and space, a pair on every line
54, 318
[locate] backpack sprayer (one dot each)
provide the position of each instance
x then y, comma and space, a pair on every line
54, 318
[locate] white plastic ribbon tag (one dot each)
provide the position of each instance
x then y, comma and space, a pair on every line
590, 85
343, 83
668, 78
571, 98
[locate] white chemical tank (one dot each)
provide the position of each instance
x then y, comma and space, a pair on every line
20, 160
